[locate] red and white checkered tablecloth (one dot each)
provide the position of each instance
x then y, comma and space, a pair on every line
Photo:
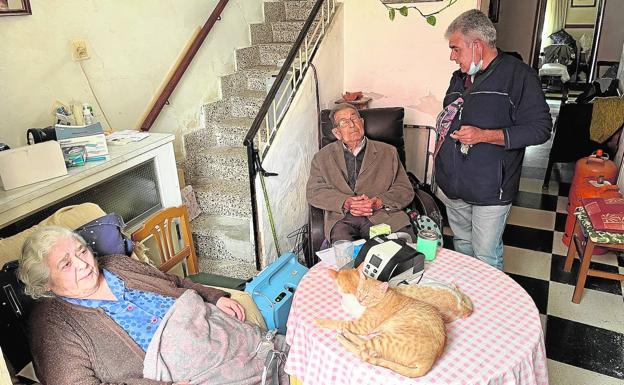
500, 343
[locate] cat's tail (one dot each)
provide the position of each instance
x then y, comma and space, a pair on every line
406, 371
355, 344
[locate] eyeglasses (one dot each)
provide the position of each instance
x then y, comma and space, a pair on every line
342, 123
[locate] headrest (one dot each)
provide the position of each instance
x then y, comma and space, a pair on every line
382, 124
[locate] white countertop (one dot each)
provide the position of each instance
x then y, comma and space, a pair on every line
35, 196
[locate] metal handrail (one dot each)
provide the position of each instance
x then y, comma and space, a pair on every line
294, 51
163, 98
270, 105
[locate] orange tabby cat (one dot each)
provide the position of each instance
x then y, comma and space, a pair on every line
407, 335
450, 301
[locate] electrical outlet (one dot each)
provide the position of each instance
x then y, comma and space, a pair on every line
80, 50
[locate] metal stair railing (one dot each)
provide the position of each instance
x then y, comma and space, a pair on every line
279, 97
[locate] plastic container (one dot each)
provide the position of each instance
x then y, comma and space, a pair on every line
87, 114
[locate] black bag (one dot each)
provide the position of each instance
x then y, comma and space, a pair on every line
14, 311
424, 203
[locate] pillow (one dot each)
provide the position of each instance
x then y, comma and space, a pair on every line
104, 236
69, 216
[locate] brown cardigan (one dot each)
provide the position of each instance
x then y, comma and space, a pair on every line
381, 175
75, 345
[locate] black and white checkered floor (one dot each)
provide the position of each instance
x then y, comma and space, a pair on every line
584, 342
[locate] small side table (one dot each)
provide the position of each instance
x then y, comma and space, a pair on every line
360, 104
584, 239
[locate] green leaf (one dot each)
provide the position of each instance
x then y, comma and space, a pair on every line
391, 13
431, 20
403, 10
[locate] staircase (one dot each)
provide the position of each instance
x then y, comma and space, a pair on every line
216, 161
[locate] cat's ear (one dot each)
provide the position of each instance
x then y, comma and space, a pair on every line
333, 274
361, 274
361, 267
383, 287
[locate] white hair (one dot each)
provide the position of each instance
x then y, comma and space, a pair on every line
473, 24
33, 271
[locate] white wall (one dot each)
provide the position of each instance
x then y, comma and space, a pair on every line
404, 62
296, 143
133, 45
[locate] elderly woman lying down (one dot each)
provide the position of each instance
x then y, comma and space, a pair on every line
119, 321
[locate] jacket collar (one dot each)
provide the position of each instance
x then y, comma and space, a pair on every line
370, 157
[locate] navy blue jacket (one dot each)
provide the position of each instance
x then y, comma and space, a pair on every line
511, 99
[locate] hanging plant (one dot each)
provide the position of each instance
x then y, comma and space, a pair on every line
404, 11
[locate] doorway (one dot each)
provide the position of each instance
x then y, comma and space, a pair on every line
570, 26
527, 27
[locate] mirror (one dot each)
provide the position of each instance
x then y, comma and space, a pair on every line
568, 34
14, 7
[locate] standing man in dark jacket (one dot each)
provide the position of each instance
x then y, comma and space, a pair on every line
493, 109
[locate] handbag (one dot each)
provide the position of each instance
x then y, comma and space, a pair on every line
105, 237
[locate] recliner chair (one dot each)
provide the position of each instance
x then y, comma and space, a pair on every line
384, 125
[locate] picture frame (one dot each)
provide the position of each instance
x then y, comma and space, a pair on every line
15, 7
582, 3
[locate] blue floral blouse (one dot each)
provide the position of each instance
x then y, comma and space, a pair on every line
138, 312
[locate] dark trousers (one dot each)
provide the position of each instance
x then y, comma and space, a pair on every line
353, 228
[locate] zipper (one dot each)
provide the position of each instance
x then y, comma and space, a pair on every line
502, 179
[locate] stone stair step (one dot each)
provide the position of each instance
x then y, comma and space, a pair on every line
246, 104
274, 11
234, 269
214, 111
223, 238
276, 32
223, 197
197, 141
261, 54
261, 33
228, 163
253, 79
232, 131
298, 10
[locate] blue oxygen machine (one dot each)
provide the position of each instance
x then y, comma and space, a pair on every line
273, 289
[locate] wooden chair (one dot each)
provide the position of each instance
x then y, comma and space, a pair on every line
584, 239
162, 226
166, 226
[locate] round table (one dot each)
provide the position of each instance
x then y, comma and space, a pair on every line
500, 343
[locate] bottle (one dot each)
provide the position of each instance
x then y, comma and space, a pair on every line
87, 114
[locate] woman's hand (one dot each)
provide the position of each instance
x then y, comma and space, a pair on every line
231, 308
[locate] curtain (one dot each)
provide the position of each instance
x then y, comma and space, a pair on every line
554, 20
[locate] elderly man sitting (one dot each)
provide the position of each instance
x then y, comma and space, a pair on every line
358, 182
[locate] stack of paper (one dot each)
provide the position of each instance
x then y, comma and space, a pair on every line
127, 136
91, 137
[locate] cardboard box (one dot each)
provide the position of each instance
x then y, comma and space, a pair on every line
31, 164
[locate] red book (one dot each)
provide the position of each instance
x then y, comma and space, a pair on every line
605, 214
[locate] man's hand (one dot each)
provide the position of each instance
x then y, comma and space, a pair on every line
231, 308
472, 135
377, 203
350, 200
363, 206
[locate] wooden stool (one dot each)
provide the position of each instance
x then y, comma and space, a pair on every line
584, 239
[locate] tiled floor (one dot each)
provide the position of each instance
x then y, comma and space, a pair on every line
584, 342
